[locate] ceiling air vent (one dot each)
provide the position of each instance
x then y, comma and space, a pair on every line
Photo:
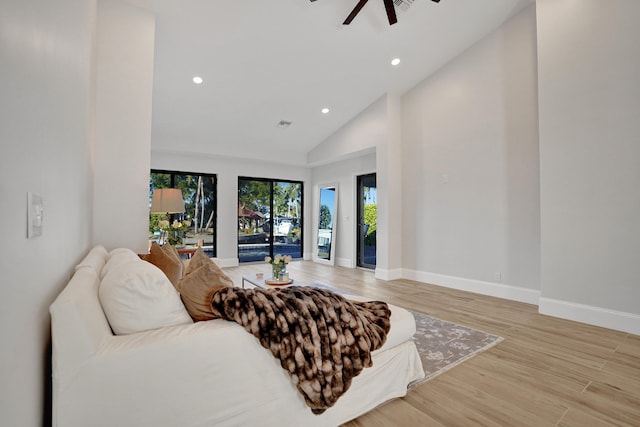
403, 5
283, 124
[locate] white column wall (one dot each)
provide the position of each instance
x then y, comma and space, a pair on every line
389, 193
124, 58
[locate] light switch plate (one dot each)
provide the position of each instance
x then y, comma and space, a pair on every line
34, 215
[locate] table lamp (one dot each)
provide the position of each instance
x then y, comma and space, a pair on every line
169, 201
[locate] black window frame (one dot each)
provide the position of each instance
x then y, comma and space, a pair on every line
272, 181
172, 174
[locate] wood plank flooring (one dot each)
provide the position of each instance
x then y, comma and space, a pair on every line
546, 372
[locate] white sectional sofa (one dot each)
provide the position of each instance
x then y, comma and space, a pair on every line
209, 373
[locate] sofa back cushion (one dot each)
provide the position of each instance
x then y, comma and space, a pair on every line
137, 296
95, 259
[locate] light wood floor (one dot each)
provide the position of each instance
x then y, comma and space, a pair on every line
546, 372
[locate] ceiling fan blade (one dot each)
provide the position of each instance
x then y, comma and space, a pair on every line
391, 11
354, 12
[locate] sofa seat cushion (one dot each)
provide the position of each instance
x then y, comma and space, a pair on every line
137, 296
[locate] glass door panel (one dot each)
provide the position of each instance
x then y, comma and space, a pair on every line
367, 221
287, 219
269, 219
325, 247
254, 213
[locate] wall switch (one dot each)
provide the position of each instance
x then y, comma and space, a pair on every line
444, 178
35, 210
497, 276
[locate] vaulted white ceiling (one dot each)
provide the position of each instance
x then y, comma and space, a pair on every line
264, 61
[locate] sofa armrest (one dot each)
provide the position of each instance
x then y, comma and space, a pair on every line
78, 324
403, 324
169, 377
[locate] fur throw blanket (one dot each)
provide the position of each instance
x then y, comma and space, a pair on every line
322, 339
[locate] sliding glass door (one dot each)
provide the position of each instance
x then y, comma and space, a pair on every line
367, 220
269, 218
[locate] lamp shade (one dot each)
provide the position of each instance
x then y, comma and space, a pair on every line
167, 200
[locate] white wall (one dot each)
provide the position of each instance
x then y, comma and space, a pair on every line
124, 56
45, 135
589, 73
228, 170
470, 183
343, 174
362, 134
376, 130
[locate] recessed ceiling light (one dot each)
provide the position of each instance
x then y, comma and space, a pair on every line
325, 110
197, 80
395, 61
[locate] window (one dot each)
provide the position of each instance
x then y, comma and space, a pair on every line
269, 218
199, 192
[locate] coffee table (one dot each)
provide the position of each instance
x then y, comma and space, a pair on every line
260, 282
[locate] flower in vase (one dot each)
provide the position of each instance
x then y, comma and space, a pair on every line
278, 263
175, 231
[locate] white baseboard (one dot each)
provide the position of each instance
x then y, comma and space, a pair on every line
226, 262
612, 319
384, 274
500, 290
345, 262
597, 316
591, 315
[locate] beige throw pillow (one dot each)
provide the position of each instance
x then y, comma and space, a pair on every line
198, 259
167, 259
201, 280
